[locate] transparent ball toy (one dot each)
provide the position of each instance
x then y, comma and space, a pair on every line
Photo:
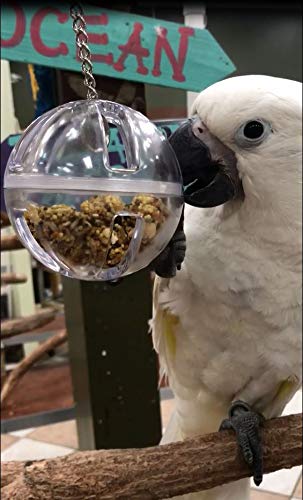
90, 201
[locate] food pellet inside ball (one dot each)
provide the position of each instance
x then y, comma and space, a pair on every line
84, 237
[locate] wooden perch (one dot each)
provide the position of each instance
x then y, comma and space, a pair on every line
10, 242
26, 363
5, 222
151, 473
12, 278
11, 327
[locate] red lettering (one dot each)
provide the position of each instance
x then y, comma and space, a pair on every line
99, 39
134, 47
162, 44
35, 30
19, 32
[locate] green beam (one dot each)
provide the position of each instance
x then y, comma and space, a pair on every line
114, 368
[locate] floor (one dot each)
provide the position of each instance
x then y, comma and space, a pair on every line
30, 395
60, 439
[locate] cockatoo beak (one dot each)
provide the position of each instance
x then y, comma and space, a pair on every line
209, 168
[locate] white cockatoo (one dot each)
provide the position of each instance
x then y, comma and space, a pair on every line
227, 327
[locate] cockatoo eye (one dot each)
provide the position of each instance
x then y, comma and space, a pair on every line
252, 133
253, 130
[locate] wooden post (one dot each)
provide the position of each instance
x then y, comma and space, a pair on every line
114, 367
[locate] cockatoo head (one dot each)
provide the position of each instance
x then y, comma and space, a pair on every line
244, 142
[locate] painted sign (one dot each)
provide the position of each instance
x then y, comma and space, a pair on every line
116, 148
123, 45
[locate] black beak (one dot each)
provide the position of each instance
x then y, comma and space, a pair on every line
209, 168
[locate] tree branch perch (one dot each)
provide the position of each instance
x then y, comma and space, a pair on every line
10, 242
12, 278
17, 373
151, 473
12, 327
4, 220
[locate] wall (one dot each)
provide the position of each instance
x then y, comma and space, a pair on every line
163, 102
194, 16
264, 39
260, 40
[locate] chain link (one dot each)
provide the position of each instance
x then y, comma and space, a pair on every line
79, 27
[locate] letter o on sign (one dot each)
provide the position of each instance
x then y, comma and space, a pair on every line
20, 26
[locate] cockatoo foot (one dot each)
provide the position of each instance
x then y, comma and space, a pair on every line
246, 423
170, 260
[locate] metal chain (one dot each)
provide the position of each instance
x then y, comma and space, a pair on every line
79, 27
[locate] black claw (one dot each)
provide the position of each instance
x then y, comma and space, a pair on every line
258, 475
258, 470
170, 260
246, 423
256, 446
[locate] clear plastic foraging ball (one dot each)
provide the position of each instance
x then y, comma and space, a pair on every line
83, 210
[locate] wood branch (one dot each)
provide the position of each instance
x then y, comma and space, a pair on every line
12, 278
5, 222
151, 473
17, 373
55, 282
10, 471
10, 242
54, 304
12, 327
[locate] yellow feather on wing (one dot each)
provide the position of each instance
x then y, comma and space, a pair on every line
286, 389
163, 326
